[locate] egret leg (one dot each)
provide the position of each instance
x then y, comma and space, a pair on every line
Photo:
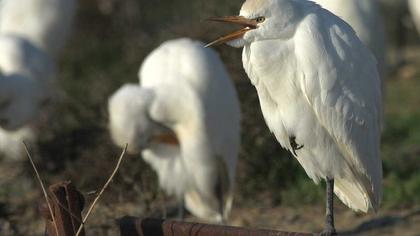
181, 209
329, 224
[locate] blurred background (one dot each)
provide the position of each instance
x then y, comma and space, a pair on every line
110, 39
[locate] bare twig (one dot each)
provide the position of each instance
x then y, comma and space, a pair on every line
102, 190
43, 187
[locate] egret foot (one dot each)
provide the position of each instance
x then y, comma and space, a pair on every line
329, 223
294, 145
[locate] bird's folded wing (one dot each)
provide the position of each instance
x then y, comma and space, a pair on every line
340, 81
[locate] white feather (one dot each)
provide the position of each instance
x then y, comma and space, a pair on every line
25, 81
365, 18
167, 161
11, 144
414, 7
46, 23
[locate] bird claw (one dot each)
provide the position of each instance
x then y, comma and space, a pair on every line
294, 145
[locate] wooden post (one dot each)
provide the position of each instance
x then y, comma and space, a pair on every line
131, 226
67, 204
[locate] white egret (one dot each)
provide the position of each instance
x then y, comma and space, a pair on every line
31, 34
25, 74
184, 118
46, 23
320, 94
366, 19
414, 7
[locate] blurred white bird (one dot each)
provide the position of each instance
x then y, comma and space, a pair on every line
31, 34
414, 7
25, 87
184, 118
366, 19
320, 94
46, 23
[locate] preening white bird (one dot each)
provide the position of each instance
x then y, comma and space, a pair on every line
366, 19
319, 91
414, 7
46, 23
185, 119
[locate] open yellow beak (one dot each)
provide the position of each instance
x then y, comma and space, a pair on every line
249, 24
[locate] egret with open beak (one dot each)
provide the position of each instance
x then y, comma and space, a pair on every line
248, 24
320, 94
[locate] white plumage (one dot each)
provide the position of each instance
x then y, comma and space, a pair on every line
46, 23
31, 34
25, 73
11, 141
185, 92
414, 6
319, 92
365, 18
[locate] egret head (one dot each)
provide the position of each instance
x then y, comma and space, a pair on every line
129, 120
21, 101
262, 20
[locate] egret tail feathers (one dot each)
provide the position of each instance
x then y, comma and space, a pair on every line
207, 209
356, 194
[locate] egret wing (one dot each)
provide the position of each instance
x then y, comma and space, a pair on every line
340, 81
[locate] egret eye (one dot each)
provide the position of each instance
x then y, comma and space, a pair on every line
260, 19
